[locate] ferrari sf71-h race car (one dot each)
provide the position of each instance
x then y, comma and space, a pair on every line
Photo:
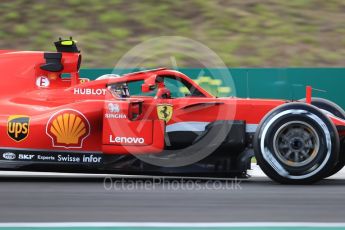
140, 123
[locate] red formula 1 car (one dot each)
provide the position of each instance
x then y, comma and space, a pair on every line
140, 123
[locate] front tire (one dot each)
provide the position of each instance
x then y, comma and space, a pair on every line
341, 161
296, 144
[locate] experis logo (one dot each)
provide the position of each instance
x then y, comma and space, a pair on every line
126, 140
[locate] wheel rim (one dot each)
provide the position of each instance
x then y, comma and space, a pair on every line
296, 143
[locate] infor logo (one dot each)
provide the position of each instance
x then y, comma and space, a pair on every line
18, 127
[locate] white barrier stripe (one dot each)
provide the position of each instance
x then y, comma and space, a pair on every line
166, 224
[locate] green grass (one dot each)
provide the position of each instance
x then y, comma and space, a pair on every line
243, 33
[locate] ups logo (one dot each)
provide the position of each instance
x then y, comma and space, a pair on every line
18, 127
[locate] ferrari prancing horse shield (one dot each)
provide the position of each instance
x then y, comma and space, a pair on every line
164, 112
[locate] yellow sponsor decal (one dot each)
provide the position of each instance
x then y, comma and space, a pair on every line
18, 127
67, 43
165, 112
68, 128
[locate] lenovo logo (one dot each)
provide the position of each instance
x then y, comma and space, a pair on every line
126, 140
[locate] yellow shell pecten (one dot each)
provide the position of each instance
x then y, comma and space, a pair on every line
68, 128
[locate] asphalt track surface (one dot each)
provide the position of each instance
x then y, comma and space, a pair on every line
88, 199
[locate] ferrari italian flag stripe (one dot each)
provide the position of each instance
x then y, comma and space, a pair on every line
172, 226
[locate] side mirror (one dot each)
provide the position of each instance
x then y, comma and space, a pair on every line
149, 84
145, 88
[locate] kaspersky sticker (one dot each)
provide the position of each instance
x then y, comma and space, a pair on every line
68, 128
18, 127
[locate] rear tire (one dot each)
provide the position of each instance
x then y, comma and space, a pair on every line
296, 144
327, 106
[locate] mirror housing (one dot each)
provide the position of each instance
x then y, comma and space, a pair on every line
145, 88
149, 84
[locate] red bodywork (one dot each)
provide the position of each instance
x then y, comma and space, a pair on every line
63, 114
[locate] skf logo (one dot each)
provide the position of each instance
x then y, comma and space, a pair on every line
68, 129
165, 112
18, 127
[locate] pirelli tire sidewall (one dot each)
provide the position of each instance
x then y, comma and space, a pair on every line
326, 156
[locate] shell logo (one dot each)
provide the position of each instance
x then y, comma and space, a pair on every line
68, 129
